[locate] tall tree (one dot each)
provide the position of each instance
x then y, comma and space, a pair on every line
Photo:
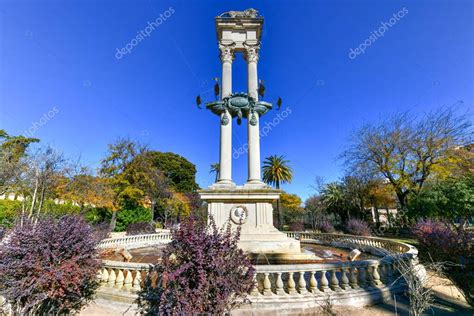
314, 207
448, 199
180, 171
12, 152
407, 151
276, 171
335, 200
143, 174
291, 206
39, 179
120, 155
88, 190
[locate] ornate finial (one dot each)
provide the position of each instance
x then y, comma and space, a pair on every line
225, 119
253, 119
227, 52
251, 52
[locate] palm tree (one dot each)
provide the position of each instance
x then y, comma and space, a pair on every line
215, 167
276, 172
335, 199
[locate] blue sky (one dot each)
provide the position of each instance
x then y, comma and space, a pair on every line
59, 56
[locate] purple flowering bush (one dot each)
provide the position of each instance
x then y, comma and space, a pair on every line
202, 272
357, 227
325, 226
49, 267
441, 240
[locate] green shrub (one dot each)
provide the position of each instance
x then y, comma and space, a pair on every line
97, 215
8, 212
130, 216
59, 210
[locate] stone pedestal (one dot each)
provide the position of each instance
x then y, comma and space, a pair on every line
253, 210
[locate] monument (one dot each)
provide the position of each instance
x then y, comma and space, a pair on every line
250, 204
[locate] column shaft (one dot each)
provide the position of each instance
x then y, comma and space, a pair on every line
253, 130
225, 156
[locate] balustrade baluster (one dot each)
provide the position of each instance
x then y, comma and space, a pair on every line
111, 279
353, 278
324, 282
291, 284
137, 281
267, 285
279, 285
105, 275
368, 275
127, 283
302, 283
333, 281
376, 275
313, 283
119, 280
255, 290
344, 279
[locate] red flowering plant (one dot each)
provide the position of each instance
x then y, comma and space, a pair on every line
441, 240
202, 272
49, 267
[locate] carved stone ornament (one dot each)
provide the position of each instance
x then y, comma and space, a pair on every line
253, 119
239, 214
239, 105
227, 52
249, 13
225, 119
251, 53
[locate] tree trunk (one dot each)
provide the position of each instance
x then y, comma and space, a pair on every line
40, 206
113, 221
35, 192
153, 209
389, 220
377, 216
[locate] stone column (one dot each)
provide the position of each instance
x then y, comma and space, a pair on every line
225, 154
251, 55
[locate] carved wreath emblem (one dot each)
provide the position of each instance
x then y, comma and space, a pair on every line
239, 214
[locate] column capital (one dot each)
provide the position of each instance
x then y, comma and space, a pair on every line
227, 52
251, 52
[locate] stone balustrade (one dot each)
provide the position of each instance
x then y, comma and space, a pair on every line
296, 280
137, 241
375, 245
124, 276
305, 279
